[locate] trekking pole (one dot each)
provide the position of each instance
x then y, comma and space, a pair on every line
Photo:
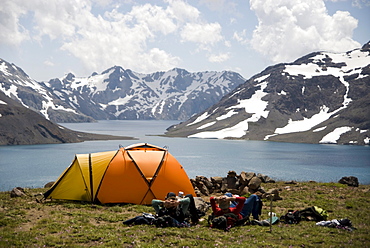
271, 213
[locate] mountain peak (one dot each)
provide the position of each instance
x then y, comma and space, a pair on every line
319, 98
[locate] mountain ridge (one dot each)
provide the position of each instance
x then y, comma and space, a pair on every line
118, 94
319, 98
22, 126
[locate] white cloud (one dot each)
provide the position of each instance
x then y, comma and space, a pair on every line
154, 18
182, 11
48, 63
289, 29
220, 5
114, 37
360, 3
206, 34
12, 32
219, 58
241, 37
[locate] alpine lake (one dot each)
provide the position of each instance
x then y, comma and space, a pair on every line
33, 166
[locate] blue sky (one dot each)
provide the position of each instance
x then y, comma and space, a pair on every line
50, 38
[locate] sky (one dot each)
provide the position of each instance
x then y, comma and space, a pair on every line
50, 38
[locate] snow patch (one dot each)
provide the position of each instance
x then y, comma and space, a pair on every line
236, 131
199, 119
254, 105
333, 136
260, 79
4, 69
306, 123
225, 116
207, 125
282, 93
319, 129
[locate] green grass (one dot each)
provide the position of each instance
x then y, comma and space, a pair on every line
26, 223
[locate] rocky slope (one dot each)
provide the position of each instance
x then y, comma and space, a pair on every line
320, 98
17, 85
22, 126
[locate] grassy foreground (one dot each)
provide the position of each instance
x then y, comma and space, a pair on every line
26, 223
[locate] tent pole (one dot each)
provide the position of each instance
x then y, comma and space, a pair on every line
91, 179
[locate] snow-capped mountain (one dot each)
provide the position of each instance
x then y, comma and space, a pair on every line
118, 94
320, 98
17, 85
123, 94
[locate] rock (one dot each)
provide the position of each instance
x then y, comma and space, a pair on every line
250, 175
244, 190
243, 179
216, 180
274, 193
48, 185
234, 191
224, 185
205, 181
231, 174
201, 204
231, 180
350, 181
254, 183
245, 183
291, 182
197, 192
203, 189
17, 192
265, 179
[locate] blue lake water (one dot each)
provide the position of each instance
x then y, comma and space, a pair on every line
36, 165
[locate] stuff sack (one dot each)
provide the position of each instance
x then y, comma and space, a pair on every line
292, 217
314, 213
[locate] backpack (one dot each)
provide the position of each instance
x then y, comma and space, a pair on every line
175, 213
224, 222
314, 213
146, 218
165, 221
292, 217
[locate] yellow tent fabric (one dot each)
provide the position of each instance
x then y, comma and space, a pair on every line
134, 174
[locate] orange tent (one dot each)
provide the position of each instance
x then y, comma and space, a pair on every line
134, 174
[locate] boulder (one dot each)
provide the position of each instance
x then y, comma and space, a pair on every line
202, 188
234, 191
272, 193
205, 181
244, 190
200, 204
224, 185
216, 180
350, 181
243, 179
48, 185
265, 179
254, 183
249, 175
17, 192
231, 180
